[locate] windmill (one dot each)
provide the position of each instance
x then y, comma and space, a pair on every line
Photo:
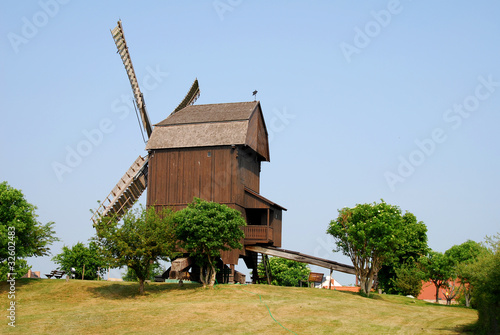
213, 152
133, 183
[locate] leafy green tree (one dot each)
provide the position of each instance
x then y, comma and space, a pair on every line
285, 272
408, 279
486, 283
156, 270
393, 276
462, 257
143, 238
438, 269
370, 234
81, 257
18, 268
21, 234
204, 229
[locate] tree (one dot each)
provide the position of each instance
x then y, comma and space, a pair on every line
462, 257
370, 234
204, 229
82, 258
21, 234
408, 279
486, 283
285, 272
404, 269
438, 269
143, 238
156, 270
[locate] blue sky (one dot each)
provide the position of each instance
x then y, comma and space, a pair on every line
386, 99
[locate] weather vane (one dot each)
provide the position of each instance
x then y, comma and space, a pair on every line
254, 95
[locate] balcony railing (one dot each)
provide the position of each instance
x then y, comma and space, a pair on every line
258, 234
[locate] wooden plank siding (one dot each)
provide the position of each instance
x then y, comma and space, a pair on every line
257, 134
249, 169
176, 176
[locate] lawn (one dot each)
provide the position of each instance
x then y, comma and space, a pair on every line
54, 306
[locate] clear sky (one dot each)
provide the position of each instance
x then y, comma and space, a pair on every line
397, 100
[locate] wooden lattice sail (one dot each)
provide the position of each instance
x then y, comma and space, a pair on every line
126, 192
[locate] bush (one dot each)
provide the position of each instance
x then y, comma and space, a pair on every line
284, 272
409, 280
486, 288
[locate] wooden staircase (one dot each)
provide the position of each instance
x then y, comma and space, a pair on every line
123, 196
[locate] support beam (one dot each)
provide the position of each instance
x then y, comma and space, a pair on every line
297, 256
265, 260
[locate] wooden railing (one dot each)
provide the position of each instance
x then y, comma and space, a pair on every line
258, 234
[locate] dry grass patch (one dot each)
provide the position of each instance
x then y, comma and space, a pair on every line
91, 307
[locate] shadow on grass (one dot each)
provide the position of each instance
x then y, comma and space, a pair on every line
462, 329
5, 286
373, 296
127, 290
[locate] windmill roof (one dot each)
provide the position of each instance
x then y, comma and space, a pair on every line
213, 125
236, 111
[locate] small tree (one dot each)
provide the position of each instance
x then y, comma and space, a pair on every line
143, 238
462, 257
285, 272
20, 231
204, 229
404, 269
82, 258
156, 270
370, 234
438, 269
408, 279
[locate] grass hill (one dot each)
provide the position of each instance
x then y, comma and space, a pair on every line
97, 307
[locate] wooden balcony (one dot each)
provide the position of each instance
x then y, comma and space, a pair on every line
258, 234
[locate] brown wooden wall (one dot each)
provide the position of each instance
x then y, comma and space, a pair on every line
276, 225
249, 169
177, 176
257, 135
217, 174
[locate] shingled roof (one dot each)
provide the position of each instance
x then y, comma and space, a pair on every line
240, 123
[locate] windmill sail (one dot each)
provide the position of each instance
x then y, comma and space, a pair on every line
190, 98
128, 189
134, 182
121, 45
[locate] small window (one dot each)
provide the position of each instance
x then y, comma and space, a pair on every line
209, 154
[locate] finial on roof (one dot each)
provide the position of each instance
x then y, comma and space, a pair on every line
254, 95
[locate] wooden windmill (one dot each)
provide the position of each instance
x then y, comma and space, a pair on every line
213, 152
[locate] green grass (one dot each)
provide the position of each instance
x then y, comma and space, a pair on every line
89, 307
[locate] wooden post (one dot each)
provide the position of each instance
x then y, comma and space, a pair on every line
264, 259
330, 284
267, 230
231, 276
83, 273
